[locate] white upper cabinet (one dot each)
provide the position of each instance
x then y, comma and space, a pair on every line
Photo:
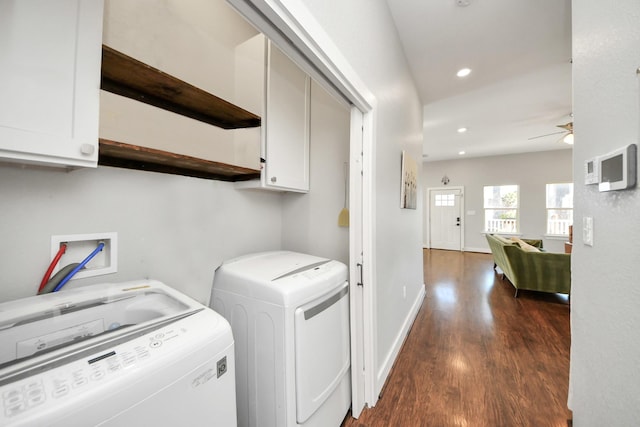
287, 118
50, 80
284, 95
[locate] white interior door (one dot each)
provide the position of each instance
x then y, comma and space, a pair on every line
445, 218
358, 398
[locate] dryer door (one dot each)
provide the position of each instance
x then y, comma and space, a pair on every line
322, 349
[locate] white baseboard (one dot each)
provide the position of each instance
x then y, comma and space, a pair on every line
385, 368
481, 250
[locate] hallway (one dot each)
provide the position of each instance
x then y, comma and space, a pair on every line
476, 356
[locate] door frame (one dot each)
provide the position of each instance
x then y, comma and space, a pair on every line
297, 33
427, 216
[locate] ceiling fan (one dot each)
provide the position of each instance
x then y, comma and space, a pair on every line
567, 138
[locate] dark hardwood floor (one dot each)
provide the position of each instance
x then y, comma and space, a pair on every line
476, 356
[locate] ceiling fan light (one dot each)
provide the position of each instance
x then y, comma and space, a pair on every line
568, 139
463, 72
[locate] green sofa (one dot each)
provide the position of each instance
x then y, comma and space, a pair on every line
529, 269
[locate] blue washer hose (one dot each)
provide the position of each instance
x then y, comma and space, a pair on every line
79, 267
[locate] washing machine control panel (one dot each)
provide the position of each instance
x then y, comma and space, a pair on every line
86, 375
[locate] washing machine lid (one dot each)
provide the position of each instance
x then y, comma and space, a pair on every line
280, 277
41, 325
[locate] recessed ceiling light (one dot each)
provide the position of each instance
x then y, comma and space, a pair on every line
462, 153
462, 130
464, 72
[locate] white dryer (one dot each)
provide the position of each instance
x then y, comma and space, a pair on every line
289, 313
134, 353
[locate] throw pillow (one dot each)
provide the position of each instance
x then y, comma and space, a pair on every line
503, 240
524, 245
528, 248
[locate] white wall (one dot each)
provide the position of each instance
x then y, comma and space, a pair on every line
365, 34
171, 228
605, 319
531, 171
310, 221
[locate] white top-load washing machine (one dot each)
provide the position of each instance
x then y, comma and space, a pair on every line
289, 313
134, 353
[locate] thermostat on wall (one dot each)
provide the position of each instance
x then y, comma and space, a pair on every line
591, 171
618, 169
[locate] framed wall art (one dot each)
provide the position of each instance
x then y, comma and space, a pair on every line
409, 190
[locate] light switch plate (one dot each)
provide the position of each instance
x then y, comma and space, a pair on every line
591, 171
587, 230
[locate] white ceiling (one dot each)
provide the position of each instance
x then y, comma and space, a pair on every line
520, 85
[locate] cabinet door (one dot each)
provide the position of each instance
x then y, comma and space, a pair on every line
50, 55
287, 124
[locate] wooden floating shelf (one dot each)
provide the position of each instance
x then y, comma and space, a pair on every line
129, 156
133, 79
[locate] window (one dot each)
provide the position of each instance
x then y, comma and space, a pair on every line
501, 209
445, 200
559, 208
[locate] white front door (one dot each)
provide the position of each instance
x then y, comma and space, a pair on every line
445, 218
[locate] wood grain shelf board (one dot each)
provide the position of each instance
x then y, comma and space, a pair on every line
128, 156
133, 79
